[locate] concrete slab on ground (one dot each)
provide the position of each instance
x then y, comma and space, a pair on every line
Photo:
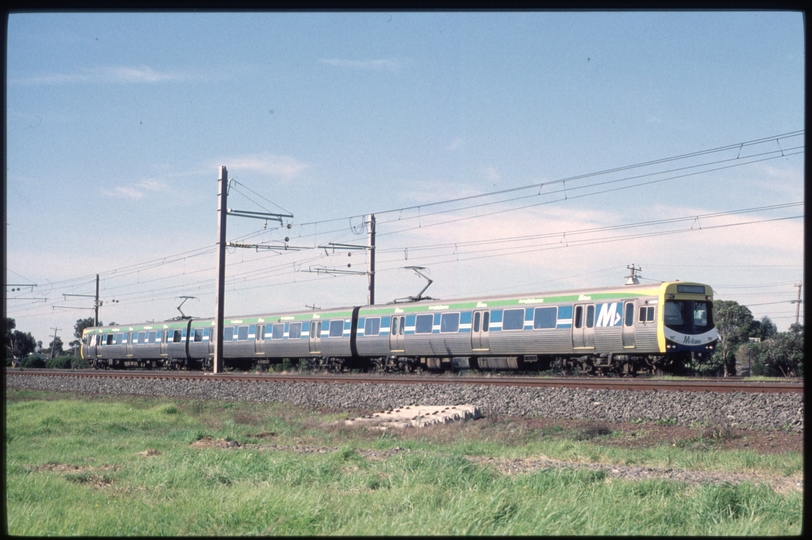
417, 416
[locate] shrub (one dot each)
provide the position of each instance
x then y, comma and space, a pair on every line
32, 362
60, 362
79, 363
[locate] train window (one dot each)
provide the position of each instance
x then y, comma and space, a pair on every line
449, 322
198, 334
673, 313
372, 326
629, 319
142, 337
513, 319
242, 333
402, 326
700, 314
151, 336
394, 326
579, 316
486, 319
278, 331
176, 336
295, 331
337, 328
423, 324
228, 333
119, 338
475, 326
590, 316
646, 314
545, 317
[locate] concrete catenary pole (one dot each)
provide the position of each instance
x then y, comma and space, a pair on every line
222, 211
96, 316
371, 258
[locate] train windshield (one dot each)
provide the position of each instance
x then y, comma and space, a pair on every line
688, 316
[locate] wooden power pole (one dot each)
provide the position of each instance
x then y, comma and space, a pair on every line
798, 303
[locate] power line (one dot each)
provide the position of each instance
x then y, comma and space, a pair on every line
538, 185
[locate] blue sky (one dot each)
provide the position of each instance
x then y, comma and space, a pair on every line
117, 125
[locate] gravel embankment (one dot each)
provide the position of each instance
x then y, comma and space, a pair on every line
737, 409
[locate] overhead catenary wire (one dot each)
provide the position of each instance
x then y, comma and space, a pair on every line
151, 265
209, 249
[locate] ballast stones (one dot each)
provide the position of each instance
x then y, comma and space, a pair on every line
417, 416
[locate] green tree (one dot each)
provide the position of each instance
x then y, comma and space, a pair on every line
78, 329
11, 324
54, 348
781, 355
763, 329
22, 344
733, 323
80, 326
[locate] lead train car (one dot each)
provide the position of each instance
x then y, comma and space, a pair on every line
625, 329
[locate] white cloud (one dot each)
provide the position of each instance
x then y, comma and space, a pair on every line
390, 64
283, 167
107, 74
136, 191
563, 250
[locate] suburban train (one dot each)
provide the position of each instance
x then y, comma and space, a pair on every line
624, 330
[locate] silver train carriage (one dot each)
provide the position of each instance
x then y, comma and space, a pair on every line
626, 329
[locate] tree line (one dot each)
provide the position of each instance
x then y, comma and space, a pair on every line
754, 344
20, 346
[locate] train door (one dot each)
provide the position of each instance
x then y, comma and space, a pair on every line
259, 339
628, 325
314, 342
480, 330
396, 330
129, 347
90, 345
162, 337
583, 326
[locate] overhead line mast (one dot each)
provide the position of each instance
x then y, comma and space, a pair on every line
222, 213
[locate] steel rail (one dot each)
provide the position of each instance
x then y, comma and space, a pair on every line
650, 385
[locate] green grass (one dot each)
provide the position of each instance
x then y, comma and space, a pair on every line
73, 468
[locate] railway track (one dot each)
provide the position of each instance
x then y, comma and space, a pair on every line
696, 385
